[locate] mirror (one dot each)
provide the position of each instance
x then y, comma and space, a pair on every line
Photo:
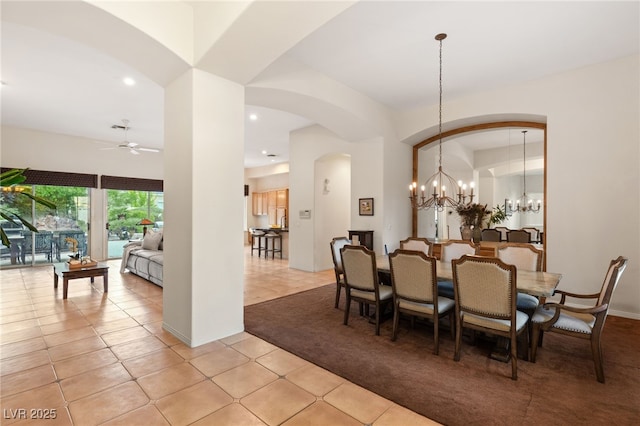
491, 156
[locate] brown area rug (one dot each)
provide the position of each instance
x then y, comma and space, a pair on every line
560, 388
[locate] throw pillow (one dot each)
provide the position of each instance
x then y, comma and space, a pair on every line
151, 240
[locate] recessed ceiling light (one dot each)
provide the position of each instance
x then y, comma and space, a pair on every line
253, 117
129, 81
264, 152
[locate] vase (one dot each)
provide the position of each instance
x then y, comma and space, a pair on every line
477, 235
466, 232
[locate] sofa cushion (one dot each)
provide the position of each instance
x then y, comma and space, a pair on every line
151, 240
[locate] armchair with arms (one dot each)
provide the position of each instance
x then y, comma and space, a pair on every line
585, 323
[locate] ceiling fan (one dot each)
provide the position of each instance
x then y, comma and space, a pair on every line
133, 147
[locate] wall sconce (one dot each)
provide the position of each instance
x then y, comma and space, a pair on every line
144, 222
326, 190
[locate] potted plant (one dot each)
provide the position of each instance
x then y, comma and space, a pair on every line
472, 218
498, 215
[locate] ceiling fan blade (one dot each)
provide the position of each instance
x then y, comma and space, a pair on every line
148, 149
134, 152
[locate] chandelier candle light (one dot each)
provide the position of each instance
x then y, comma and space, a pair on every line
439, 182
523, 204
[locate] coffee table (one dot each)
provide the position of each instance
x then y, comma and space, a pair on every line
62, 270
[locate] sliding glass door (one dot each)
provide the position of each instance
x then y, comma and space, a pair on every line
126, 210
61, 232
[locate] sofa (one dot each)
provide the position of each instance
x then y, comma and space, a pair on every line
145, 257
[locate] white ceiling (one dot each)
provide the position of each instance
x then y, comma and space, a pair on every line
383, 49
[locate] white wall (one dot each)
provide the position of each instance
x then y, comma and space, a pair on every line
306, 146
593, 157
332, 205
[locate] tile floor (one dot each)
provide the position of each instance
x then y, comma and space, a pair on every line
104, 359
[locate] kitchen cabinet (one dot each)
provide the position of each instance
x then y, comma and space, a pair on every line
273, 204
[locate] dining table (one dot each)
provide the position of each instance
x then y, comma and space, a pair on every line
536, 283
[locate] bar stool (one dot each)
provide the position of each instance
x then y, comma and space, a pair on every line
257, 235
273, 237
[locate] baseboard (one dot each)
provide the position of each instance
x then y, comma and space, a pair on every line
630, 315
178, 335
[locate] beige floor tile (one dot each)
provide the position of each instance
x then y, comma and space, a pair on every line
282, 362
62, 418
94, 381
78, 347
69, 336
321, 414
64, 326
315, 379
124, 336
216, 362
24, 362
193, 403
254, 347
44, 397
116, 325
358, 402
23, 347
6, 319
138, 347
189, 353
241, 381
17, 325
278, 401
235, 338
99, 318
232, 414
28, 379
20, 335
83, 363
59, 317
148, 415
170, 380
106, 405
397, 415
152, 362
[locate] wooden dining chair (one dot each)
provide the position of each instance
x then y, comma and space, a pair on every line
415, 291
484, 298
525, 257
535, 234
491, 235
581, 322
361, 282
454, 249
503, 232
417, 244
518, 236
336, 245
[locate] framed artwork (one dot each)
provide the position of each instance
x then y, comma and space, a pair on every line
366, 206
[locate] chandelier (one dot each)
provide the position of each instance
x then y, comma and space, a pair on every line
440, 182
523, 204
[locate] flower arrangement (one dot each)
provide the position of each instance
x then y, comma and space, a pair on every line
473, 214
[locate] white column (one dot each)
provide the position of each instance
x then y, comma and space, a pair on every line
203, 193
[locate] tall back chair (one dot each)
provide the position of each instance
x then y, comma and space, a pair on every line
415, 290
485, 290
361, 281
518, 236
336, 245
585, 323
453, 249
417, 244
535, 234
491, 235
524, 256
503, 232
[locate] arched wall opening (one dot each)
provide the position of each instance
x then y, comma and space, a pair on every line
332, 205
